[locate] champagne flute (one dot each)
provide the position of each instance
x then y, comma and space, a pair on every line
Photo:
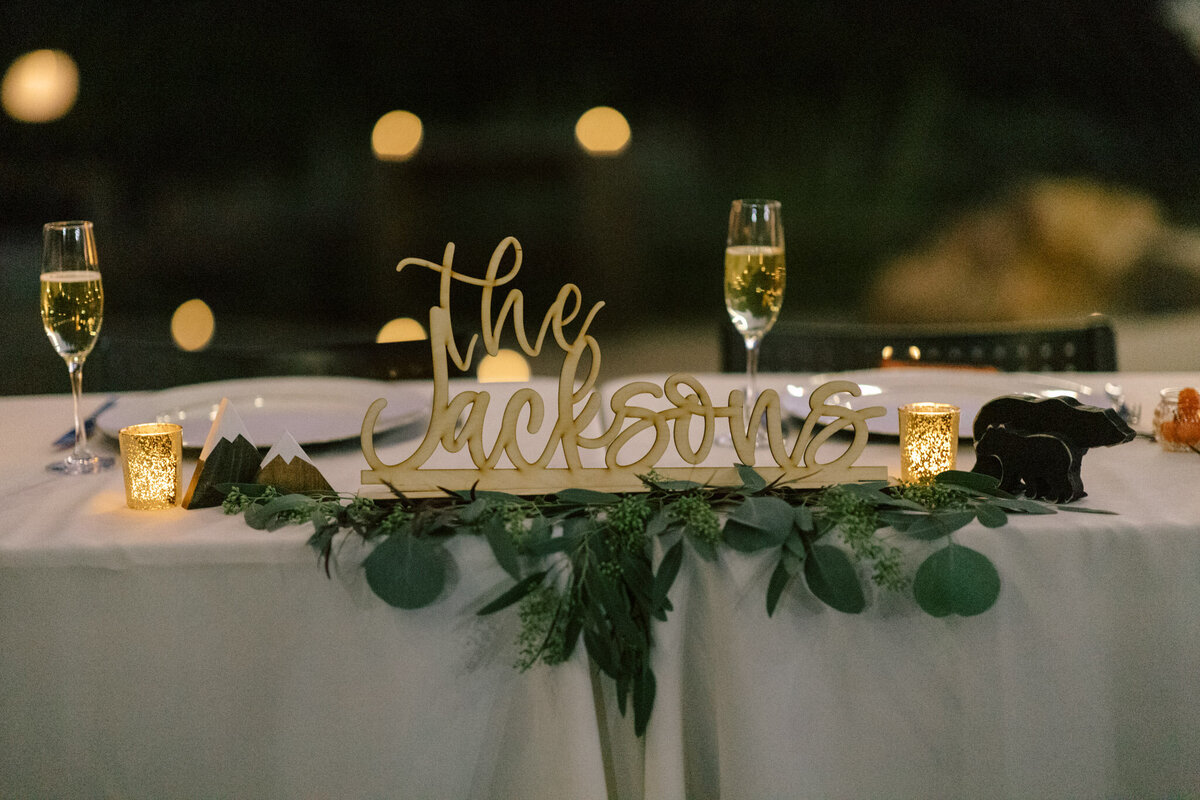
72, 300
754, 280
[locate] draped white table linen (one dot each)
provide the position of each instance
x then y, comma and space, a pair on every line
183, 654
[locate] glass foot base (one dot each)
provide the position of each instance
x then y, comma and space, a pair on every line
71, 465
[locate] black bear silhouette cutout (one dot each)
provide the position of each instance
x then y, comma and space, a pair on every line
1083, 426
1035, 445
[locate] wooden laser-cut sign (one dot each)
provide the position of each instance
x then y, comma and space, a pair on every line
457, 422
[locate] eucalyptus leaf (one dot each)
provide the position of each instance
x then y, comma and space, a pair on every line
795, 545
675, 486
939, 524
900, 503
956, 580
975, 481
472, 511
991, 516
540, 530
1082, 509
267, 516
802, 516
779, 580
1022, 505
644, 689
407, 571
503, 548
871, 491
751, 480
578, 525
616, 608
556, 544
572, 629
793, 563
495, 497
832, 578
758, 523
900, 520
514, 593
600, 649
321, 541
587, 497
668, 569
824, 524
440, 524
659, 523
704, 548
622, 682
637, 575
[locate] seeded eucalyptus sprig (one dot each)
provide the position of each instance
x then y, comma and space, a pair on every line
582, 566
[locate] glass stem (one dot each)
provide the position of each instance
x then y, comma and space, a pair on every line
75, 370
751, 373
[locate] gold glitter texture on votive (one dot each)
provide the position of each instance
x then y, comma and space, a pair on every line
151, 455
928, 440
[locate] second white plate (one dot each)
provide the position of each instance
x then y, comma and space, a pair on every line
315, 410
895, 387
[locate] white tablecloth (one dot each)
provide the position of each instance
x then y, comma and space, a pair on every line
182, 654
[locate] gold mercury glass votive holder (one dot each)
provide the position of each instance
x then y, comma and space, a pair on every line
151, 456
928, 440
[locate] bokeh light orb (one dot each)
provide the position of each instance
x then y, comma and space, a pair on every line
40, 86
603, 131
192, 325
397, 136
401, 329
507, 366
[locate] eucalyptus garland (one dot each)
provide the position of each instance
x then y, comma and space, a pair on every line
581, 561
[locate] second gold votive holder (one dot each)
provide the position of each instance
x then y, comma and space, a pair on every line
928, 440
151, 456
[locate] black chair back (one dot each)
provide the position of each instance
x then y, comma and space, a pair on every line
1084, 345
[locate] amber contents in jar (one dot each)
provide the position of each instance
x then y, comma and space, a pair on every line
1177, 419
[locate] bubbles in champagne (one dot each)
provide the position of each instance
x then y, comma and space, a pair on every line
754, 282
72, 308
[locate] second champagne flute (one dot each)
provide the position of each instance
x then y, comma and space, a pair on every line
72, 300
755, 276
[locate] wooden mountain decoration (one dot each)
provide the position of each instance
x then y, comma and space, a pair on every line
1035, 445
228, 456
287, 467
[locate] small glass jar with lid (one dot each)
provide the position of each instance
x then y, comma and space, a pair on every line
1177, 420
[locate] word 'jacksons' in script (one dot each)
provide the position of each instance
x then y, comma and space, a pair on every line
639, 432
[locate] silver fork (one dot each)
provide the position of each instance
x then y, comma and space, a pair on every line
67, 440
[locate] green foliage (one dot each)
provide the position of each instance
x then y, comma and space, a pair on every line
832, 578
581, 560
956, 580
407, 570
544, 614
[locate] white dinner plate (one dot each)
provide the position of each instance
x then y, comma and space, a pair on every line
315, 410
897, 386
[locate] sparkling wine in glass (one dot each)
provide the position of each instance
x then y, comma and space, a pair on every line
72, 300
754, 279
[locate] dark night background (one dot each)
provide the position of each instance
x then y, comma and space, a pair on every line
223, 149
